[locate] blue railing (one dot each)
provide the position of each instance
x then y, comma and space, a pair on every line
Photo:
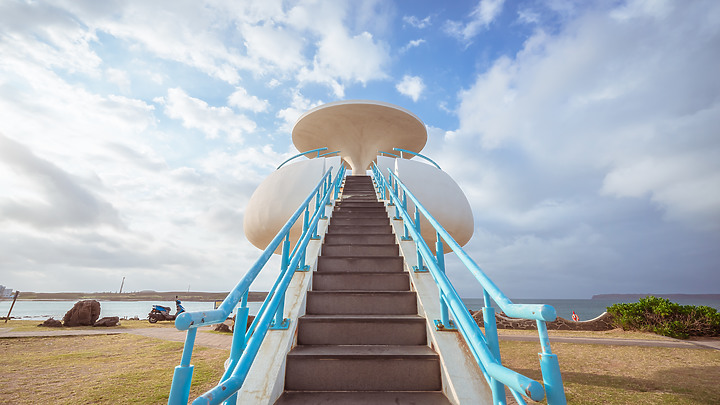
416, 154
245, 344
318, 150
484, 347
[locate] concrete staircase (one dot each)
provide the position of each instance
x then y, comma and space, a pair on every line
361, 340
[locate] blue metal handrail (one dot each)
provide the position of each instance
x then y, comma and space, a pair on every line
302, 154
416, 154
245, 345
485, 347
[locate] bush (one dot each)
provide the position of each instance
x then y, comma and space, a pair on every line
661, 316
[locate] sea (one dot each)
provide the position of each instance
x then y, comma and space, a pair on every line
44, 309
586, 309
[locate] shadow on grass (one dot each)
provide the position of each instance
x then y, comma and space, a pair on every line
695, 384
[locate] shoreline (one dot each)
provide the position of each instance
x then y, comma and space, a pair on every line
195, 296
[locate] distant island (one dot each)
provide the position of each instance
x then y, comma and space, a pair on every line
668, 296
146, 295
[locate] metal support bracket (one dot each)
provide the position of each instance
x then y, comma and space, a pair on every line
404, 239
284, 325
304, 268
451, 327
420, 270
315, 237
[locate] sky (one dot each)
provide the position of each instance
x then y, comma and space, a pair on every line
585, 134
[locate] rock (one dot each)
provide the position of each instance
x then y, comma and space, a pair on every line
52, 323
135, 318
108, 321
83, 313
223, 327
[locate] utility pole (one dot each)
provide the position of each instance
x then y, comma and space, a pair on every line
121, 285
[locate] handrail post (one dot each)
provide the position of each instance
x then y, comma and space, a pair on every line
445, 322
420, 268
182, 377
306, 224
279, 322
238, 342
405, 236
550, 368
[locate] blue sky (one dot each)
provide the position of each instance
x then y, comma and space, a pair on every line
585, 134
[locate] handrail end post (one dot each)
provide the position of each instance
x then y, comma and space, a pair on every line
554, 390
180, 388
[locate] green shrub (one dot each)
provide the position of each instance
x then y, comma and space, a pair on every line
661, 316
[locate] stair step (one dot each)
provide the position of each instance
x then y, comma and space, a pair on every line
360, 250
359, 221
361, 330
361, 303
360, 204
359, 229
362, 398
362, 368
361, 239
360, 281
347, 213
370, 264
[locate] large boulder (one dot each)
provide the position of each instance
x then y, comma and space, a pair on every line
108, 321
83, 313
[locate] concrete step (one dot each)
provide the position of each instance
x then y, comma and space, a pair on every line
361, 330
362, 398
362, 214
362, 368
360, 250
361, 239
370, 264
359, 221
361, 303
358, 230
359, 281
360, 210
360, 204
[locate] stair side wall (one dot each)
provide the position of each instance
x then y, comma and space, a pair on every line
266, 380
462, 379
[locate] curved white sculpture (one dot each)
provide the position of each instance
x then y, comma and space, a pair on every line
279, 196
439, 194
359, 129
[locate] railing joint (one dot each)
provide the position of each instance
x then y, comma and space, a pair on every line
416, 269
284, 325
450, 327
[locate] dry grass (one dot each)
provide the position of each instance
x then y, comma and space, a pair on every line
600, 374
118, 369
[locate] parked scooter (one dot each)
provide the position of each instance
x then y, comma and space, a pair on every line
161, 313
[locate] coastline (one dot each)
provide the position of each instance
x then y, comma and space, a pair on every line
196, 296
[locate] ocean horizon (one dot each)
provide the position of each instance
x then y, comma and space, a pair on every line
586, 309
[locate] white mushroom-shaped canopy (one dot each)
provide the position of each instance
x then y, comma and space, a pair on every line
359, 129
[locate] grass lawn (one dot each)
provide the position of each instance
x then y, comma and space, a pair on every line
600, 374
117, 369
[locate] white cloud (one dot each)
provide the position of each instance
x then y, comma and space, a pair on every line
622, 104
411, 86
416, 22
412, 44
197, 114
274, 44
298, 106
481, 17
244, 101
